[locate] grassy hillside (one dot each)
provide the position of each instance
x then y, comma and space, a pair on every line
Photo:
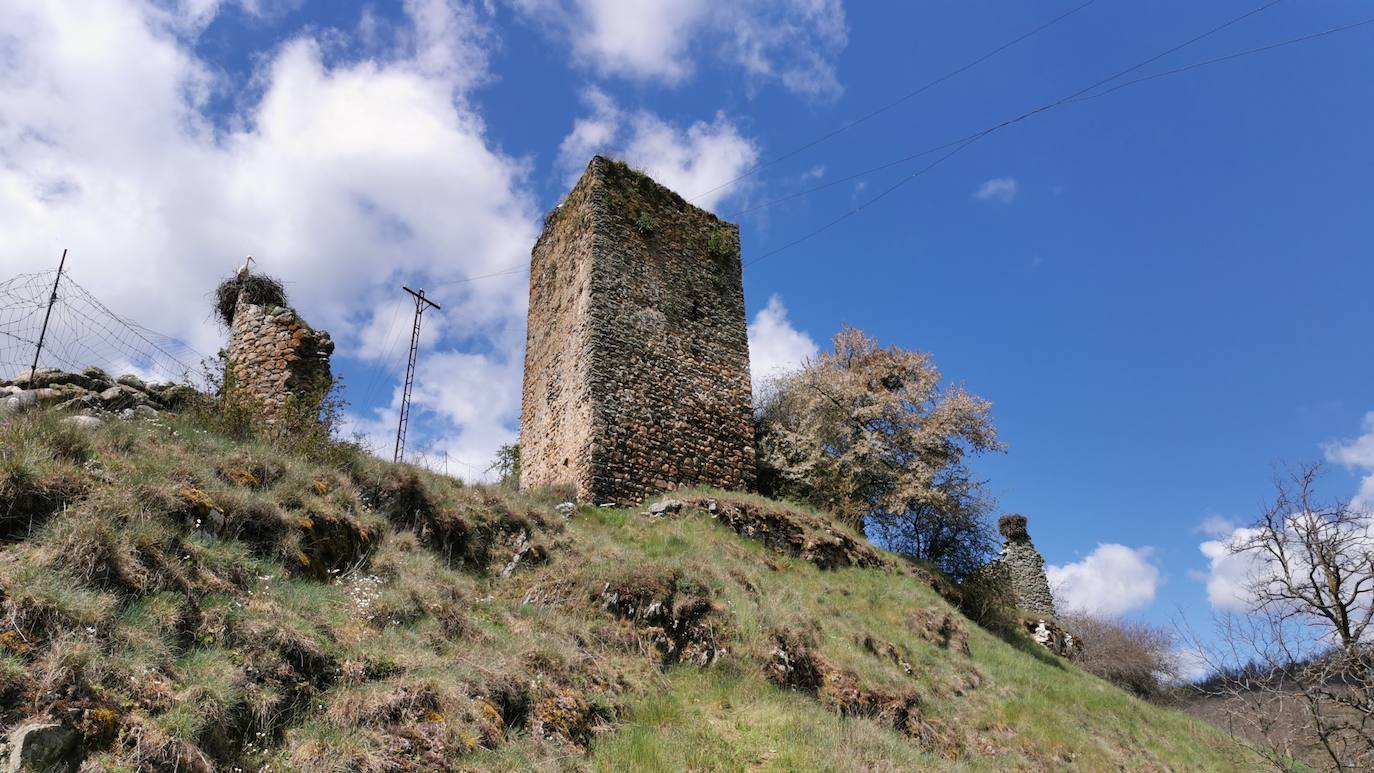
183, 600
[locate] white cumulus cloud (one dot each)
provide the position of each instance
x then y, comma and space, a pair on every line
1001, 189
1230, 573
694, 161
1110, 581
343, 177
1358, 454
775, 346
785, 41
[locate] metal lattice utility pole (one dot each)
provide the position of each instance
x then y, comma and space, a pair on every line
44, 332
421, 303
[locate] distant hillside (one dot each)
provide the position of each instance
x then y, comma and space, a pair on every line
172, 598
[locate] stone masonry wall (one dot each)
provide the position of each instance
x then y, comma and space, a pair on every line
274, 355
637, 357
1026, 567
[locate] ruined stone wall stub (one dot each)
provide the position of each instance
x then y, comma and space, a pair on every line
637, 364
1025, 566
274, 356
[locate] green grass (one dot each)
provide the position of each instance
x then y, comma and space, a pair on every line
1029, 708
240, 604
728, 718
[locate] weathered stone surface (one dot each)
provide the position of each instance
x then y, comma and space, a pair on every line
637, 356
665, 506
92, 393
121, 396
274, 356
32, 379
42, 746
131, 380
1026, 567
1049, 634
85, 422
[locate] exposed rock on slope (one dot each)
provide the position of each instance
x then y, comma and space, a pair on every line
176, 599
92, 392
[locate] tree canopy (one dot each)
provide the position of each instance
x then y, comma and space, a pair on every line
876, 436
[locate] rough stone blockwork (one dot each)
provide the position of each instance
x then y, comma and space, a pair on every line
1026, 567
274, 355
637, 355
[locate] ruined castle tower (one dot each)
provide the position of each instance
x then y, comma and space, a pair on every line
273, 358
637, 355
1026, 567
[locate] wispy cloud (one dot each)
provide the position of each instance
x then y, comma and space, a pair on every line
781, 41
1001, 189
691, 160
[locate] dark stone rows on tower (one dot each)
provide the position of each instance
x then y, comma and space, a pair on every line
637, 357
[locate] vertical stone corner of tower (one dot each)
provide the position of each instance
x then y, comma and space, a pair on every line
637, 355
276, 364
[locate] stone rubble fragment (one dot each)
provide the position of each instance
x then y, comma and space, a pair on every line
665, 507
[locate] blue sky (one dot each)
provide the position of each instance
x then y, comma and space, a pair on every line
1165, 292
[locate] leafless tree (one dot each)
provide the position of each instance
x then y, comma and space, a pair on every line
1296, 677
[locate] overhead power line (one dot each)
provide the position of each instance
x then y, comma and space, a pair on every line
960, 145
890, 105
1229, 57
937, 148
506, 272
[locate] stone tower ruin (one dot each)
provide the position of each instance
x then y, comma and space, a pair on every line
637, 355
274, 358
1025, 566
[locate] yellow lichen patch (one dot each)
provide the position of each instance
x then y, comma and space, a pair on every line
320, 487
14, 642
244, 477
490, 714
567, 714
196, 498
98, 725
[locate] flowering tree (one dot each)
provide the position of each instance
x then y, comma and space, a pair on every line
875, 436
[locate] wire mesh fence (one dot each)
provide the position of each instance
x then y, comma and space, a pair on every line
82, 332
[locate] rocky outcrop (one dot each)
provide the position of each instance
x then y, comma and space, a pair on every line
1025, 566
91, 395
1048, 633
45, 746
674, 614
784, 530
